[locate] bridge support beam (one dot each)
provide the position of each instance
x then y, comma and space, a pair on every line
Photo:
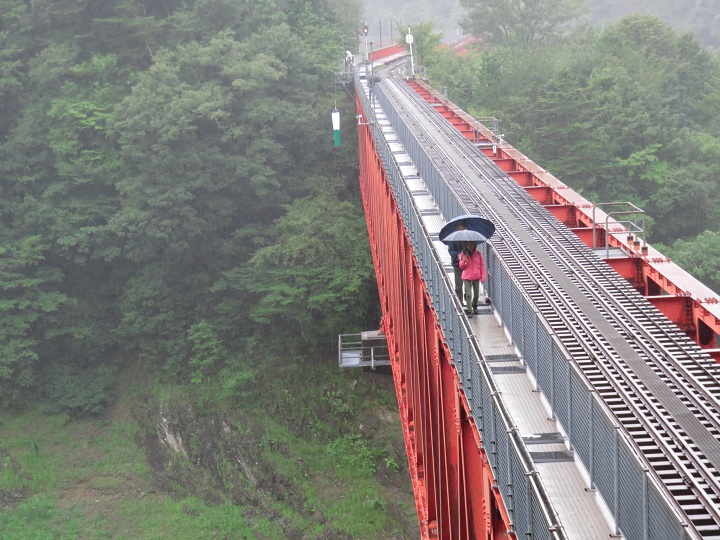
451, 477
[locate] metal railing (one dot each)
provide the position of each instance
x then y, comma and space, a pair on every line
632, 220
353, 351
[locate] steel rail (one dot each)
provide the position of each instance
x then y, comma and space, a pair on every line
633, 384
688, 459
679, 459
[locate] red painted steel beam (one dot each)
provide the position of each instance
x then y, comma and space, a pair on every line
524, 178
506, 164
563, 212
627, 267
541, 194
674, 308
451, 477
586, 235
386, 52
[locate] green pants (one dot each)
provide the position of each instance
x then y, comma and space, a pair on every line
472, 293
458, 283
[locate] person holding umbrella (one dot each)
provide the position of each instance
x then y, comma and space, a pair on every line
454, 249
473, 272
457, 234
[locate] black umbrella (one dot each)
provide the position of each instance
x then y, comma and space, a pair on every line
472, 222
465, 235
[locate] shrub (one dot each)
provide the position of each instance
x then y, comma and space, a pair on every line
78, 391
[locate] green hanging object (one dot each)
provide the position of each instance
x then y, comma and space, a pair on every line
336, 126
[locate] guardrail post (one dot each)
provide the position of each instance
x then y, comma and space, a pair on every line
552, 381
616, 478
591, 464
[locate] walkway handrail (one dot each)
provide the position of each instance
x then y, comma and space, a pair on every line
636, 228
492, 417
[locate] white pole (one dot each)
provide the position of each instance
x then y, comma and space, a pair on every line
367, 52
409, 41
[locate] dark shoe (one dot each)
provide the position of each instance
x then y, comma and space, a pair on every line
468, 312
488, 301
475, 311
470, 315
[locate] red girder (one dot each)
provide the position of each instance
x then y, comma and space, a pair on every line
452, 479
386, 52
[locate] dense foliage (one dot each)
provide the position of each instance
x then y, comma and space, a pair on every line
699, 17
169, 187
520, 22
498, 17
629, 113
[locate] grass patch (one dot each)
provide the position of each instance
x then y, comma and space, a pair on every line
188, 518
325, 451
337, 479
361, 512
38, 518
120, 454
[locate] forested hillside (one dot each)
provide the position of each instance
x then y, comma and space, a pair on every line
181, 244
701, 17
627, 113
159, 176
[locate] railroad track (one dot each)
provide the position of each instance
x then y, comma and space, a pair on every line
661, 389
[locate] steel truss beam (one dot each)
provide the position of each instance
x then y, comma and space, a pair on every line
455, 492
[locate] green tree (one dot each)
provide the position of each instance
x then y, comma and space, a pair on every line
685, 204
522, 22
208, 353
12, 75
314, 281
564, 115
148, 148
700, 256
30, 313
425, 41
82, 194
59, 163
209, 137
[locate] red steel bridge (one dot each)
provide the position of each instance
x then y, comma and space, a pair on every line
583, 403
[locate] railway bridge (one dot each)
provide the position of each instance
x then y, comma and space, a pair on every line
583, 402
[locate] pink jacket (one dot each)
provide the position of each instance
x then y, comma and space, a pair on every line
473, 266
